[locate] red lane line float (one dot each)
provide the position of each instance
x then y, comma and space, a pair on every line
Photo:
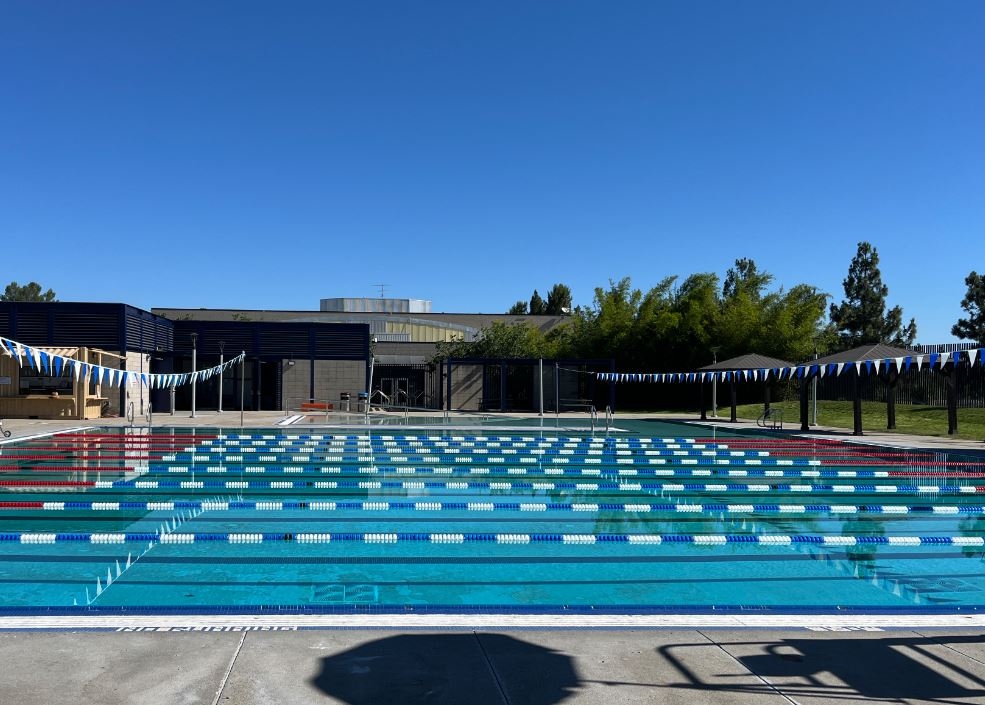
47, 483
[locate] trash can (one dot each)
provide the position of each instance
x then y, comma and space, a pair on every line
363, 401
344, 401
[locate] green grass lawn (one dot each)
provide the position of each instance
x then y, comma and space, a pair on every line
921, 420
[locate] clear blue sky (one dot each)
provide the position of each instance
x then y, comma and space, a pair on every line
467, 152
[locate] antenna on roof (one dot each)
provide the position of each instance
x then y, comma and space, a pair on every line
382, 289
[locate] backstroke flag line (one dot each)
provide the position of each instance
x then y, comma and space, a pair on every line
932, 361
51, 364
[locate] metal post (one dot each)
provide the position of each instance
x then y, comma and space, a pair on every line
814, 394
141, 385
714, 384
372, 362
194, 363
540, 370
172, 400
222, 345
242, 385
557, 391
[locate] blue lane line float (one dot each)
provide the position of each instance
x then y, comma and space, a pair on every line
485, 537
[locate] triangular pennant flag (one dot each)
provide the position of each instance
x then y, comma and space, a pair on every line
934, 357
899, 364
58, 365
971, 356
839, 367
45, 361
919, 362
956, 356
858, 367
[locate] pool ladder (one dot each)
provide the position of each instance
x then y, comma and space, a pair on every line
147, 416
594, 414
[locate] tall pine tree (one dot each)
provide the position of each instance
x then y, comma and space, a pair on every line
972, 327
861, 318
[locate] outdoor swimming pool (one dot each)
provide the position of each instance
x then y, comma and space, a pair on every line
526, 520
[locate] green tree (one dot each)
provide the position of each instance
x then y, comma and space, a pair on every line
518, 309
740, 327
972, 327
793, 325
862, 317
28, 292
558, 300
698, 305
500, 340
537, 305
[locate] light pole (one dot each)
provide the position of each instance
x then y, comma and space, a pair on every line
222, 345
714, 384
194, 362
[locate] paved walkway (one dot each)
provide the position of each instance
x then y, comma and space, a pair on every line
476, 660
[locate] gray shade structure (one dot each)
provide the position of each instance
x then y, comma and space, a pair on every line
877, 351
751, 361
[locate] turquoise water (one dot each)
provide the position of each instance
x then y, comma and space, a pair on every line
667, 517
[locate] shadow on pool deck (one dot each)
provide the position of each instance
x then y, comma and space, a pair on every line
447, 668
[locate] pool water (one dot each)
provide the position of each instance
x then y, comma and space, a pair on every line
521, 520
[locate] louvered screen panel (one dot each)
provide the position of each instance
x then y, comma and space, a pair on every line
342, 342
284, 341
32, 328
93, 329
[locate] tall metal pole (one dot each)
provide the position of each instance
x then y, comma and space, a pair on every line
141, 385
714, 384
557, 391
222, 345
194, 362
814, 393
242, 385
540, 375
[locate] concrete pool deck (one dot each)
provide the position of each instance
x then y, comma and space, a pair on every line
539, 660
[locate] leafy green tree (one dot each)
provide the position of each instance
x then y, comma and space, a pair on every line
28, 292
972, 327
558, 300
500, 340
698, 306
745, 279
518, 309
537, 305
744, 304
862, 317
793, 325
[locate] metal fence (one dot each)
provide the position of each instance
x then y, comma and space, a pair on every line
923, 388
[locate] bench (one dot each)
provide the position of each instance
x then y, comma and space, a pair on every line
316, 406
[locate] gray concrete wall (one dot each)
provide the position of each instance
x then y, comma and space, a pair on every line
332, 377
466, 386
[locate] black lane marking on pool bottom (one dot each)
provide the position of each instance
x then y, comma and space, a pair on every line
516, 583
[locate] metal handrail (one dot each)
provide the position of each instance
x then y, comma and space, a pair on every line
771, 417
